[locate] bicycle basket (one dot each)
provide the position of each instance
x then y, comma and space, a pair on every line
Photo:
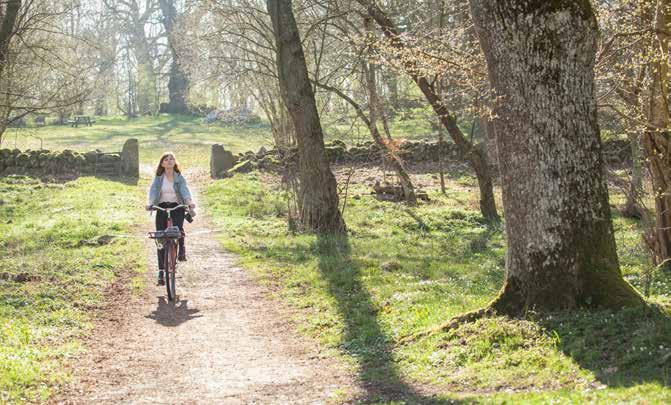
172, 232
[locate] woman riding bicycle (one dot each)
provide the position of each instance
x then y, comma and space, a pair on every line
169, 190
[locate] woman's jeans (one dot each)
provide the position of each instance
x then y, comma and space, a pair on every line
162, 223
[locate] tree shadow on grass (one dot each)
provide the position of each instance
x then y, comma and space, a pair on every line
164, 128
622, 349
363, 337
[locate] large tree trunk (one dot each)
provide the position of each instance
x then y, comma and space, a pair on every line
178, 83
146, 76
657, 140
474, 154
318, 198
561, 249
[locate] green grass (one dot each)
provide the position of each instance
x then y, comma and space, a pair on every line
190, 138
411, 124
394, 276
56, 263
187, 136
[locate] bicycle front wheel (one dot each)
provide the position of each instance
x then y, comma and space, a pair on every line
170, 267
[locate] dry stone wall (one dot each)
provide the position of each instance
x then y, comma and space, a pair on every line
616, 152
71, 163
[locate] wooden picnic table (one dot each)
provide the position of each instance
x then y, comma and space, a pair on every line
81, 119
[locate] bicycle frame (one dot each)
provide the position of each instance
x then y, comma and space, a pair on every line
170, 251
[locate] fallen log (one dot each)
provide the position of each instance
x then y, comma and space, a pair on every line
391, 192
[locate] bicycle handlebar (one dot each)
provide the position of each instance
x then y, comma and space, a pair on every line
157, 208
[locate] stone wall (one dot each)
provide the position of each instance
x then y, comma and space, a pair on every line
71, 163
617, 153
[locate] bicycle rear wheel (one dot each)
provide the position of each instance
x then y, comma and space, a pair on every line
170, 264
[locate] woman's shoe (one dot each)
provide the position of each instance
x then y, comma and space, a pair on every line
181, 258
161, 279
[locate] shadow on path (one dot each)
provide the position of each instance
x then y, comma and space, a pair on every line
364, 339
168, 313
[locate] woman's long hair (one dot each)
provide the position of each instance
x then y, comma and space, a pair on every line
160, 169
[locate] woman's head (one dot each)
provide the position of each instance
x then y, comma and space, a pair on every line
168, 160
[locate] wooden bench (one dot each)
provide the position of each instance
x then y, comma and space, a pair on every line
81, 119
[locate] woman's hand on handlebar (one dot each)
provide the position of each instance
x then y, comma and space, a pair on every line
149, 207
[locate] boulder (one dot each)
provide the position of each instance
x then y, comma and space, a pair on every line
109, 158
91, 157
336, 142
269, 162
245, 166
130, 159
23, 160
336, 153
221, 161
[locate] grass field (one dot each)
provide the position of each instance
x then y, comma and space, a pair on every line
396, 275
57, 259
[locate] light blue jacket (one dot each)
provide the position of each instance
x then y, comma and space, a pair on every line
179, 183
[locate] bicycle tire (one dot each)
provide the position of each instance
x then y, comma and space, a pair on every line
173, 278
170, 260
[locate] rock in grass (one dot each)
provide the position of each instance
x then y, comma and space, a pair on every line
99, 241
391, 265
245, 166
221, 160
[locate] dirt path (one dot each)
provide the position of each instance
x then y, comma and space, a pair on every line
224, 341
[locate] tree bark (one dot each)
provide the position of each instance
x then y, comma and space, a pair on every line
474, 154
9, 17
11, 11
561, 249
657, 139
178, 82
318, 198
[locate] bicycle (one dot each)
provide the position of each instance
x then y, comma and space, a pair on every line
168, 240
